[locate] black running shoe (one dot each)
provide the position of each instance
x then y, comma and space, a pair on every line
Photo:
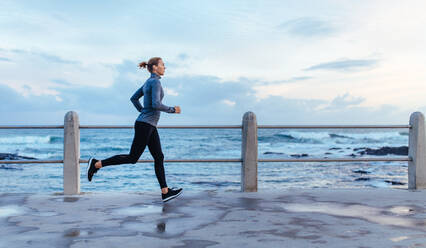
91, 169
172, 193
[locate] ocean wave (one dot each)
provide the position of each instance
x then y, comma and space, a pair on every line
377, 136
114, 149
320, 137
216, 184
342, 137
25, 139
333, 135
29, 139
316, 135
56, 139
281, 137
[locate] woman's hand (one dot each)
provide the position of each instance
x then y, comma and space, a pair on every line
177, 110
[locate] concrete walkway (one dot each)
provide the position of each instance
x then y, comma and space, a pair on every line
294, 218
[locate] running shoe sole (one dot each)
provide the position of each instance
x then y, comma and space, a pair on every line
172, 197
88, 165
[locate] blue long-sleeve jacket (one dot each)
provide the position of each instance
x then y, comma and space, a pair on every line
153, 95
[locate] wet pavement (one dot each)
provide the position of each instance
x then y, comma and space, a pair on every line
292, 218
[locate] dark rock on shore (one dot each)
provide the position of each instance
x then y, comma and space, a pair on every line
361, 171
10, 156
5, 167
273, 153
360, 148
299, 155
402, 150
394, 182
362, 179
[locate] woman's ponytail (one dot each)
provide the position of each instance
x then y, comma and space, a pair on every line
142, 64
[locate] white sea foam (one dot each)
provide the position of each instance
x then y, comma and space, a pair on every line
321, 135
25, 140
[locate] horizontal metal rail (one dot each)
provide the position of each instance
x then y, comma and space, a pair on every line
217, 127
329, 126
163, 127
222, 160
33, 127
395, 159
31, 161
232, 160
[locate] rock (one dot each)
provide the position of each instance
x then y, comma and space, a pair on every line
361, 171
335, 148
362, 179
299, 155
273, 153
4, 167
360, 148
10, 156
402, 150
394, 182
333, 135
327, 153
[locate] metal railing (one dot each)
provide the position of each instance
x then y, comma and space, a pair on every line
249, 157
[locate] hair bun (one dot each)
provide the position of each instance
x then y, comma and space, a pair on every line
143, 64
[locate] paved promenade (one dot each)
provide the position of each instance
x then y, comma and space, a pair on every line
292, 218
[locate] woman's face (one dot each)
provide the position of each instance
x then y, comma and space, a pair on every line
159, 69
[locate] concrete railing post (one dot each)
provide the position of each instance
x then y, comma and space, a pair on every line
416, 151
249, 153
71, 154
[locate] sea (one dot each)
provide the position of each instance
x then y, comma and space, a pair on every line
47, 144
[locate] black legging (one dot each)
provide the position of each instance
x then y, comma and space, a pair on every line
145, 134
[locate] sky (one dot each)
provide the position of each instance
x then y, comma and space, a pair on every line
289, 62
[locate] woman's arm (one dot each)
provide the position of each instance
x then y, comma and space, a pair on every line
135, 99
156, 99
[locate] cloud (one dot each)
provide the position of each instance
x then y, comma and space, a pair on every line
5, 59
346, 65
41, 70
183, 56
46, 56
228, 102
285, 81
299, 78
170, 91
203, 99
61, 82
307, 27
345, 101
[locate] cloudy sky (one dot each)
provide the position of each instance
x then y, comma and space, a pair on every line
290, 62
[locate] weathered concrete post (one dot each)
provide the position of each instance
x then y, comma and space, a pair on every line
71, 154
249, 153
417, 151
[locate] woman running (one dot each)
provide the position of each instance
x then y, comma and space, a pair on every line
145, 129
